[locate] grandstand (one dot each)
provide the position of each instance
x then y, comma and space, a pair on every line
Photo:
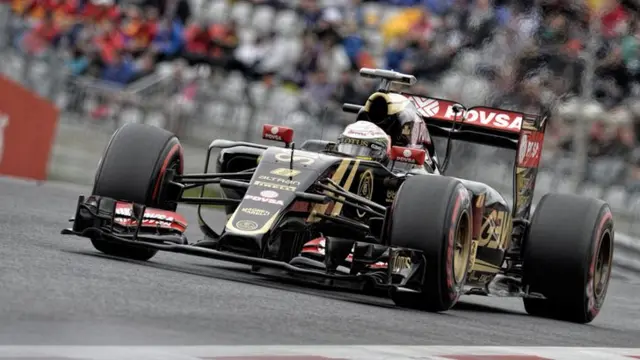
210, 68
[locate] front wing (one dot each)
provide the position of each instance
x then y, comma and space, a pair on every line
135, 225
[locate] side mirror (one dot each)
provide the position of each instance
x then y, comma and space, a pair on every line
277, 133
408, 155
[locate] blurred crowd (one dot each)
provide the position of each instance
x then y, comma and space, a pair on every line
531, 55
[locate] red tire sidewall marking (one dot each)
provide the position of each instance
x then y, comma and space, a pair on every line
453, 288
593, 304
176, 148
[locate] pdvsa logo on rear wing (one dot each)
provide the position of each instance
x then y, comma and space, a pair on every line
486, 117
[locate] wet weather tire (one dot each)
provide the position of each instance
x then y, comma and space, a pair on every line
568, 256
131, 169
432, 214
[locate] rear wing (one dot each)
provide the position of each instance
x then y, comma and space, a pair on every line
514, 130
479, 124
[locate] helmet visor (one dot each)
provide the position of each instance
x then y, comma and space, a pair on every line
359, 151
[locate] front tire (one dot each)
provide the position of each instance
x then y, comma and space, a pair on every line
131, 169
568, 256
433, 214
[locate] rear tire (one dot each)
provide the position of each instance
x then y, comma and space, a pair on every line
132, 169
433, 214
568, 256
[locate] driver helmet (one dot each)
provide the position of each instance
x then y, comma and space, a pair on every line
384, 109
365, 140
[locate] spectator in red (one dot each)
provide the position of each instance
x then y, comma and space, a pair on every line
150, 26
136, 31
422, 30
110, 41
43, 35
224, 41
100, 10
61, 9
197, 43
615, 19
34, 8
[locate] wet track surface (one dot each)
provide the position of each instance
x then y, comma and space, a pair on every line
57, 290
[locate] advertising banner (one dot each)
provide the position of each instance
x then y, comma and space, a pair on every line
27, 130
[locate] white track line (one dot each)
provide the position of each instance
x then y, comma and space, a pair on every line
329, 352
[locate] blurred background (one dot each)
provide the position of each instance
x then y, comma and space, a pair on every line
208, 69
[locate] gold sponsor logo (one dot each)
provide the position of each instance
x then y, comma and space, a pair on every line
391, 195
278, 180
255, 211
302, 159
354, 141
285, 172
365, 188
337, 177
274, 186
495, 230
246, 225
399, 264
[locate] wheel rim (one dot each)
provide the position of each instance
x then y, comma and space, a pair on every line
603, 265
462, 248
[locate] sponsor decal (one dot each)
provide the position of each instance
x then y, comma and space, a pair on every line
302, 159
391, 195
263, 200
493, 118
399, 264
429, 107
495, 230
274, 186
365, 129
355, 141
149, 218
126, 211
269, 194
365, 189
278, 180
285, 172
482, 116
246, 225
277, 133
273, 134
407, 155
255, 211
530, 149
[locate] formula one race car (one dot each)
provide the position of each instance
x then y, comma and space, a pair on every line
321, 215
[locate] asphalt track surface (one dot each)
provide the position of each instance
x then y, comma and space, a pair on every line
57, 290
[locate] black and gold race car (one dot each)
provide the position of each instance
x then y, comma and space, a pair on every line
323, 216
